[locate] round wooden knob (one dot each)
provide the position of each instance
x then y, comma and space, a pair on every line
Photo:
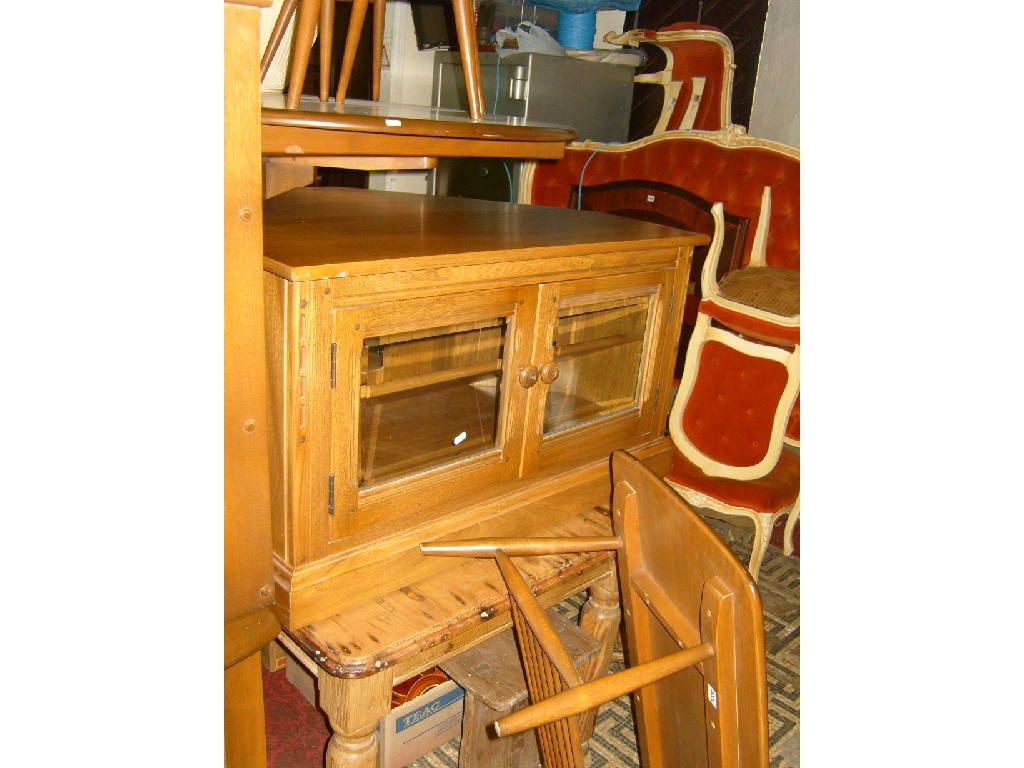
528, 376
549, 372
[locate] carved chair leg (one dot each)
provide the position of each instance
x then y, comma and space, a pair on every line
762, 536
787, 540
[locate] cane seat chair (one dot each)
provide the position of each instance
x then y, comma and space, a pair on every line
728, 421
694, 632
761, 301
758, 300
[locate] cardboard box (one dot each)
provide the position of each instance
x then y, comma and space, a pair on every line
426, 712
420, 725
273, 656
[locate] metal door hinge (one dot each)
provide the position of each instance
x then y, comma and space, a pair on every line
330, 494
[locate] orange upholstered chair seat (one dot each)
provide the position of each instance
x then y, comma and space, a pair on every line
765, 495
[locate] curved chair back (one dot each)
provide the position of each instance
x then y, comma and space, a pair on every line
729, 416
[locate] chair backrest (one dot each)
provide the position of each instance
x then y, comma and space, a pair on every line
730, 412
682, 586
547, 667
690, 74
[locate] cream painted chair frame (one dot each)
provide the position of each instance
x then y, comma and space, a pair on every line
704, 332
763, 523
710, 290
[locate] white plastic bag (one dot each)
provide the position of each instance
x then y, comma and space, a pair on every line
530, 37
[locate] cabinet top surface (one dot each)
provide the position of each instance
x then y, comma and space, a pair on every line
323, 232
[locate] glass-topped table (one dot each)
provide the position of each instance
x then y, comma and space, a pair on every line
369, 128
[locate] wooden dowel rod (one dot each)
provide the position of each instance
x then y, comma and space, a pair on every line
277, 35
593, 694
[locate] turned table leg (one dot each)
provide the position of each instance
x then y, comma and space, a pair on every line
354, 706
600, 616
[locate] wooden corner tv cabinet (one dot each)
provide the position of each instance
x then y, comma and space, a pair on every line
429, 355
439, 368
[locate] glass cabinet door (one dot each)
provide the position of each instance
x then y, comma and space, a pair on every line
422, 405
601, 393
429, 397
599, 347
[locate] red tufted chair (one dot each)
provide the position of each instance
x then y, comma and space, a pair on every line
725, 166
689, 77
728, 421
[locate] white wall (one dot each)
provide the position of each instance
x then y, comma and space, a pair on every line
776, 110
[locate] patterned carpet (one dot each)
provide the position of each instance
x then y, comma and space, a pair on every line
297, 732
613, 744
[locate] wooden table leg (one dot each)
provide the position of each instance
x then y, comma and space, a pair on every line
378, 46
305, 27
326, 46
465, 28
277, 35
354, 706
600, 616
348, 56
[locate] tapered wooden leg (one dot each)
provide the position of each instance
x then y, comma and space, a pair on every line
465, 27
378, 45
277, 35
245, 737
305, 26
354, 706
326, 43
348, 56
600, 617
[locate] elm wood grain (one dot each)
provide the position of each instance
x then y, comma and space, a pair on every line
682, 587
330, 141
312, 234
247, 567
361, 653
338, 285
439, 278
248, 624
355, 127
573, 510
694, 631
245, 740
